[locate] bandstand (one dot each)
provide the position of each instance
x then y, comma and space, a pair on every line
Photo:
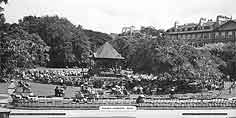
106, 62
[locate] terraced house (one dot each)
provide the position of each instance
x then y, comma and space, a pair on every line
206, 31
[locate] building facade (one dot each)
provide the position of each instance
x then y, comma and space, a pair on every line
221, 30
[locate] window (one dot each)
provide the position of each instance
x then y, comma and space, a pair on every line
189, 36
226, 34
178, 36
201, 35
207, 27
220, 34
223, 34
211, 35
217, 34
206, 35
229, 34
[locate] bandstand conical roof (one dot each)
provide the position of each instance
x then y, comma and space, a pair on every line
107, 51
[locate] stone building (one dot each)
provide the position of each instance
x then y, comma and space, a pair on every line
206, 31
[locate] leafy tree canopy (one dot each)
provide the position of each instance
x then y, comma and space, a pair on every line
20, 50
159, 56
68, 42
227, 53
97, 39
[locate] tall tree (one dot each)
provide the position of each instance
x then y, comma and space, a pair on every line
20, 50
126, 48
226, 52
67, 41
97, 39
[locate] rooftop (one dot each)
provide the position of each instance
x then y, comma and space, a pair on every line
107, 52
201, 26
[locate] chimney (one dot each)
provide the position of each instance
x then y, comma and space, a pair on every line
218, 20
175, 24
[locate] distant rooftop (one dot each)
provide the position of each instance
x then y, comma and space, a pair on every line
202, 25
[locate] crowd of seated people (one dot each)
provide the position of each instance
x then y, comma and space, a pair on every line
68, 77
142, 85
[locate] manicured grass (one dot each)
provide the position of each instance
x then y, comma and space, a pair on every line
42, 89
3, 88
47, 90
3, 97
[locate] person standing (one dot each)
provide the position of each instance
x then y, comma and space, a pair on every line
135, 89
232, 87
62, 92
11, 90
228, 78
11, 87
61, 81
56, 91
140, 90
172, 92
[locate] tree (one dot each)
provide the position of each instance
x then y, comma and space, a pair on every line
2, 18
227, 53
5, 1
174, 57
67, 41
134, 48
96, 39
152, 31
126, 48
20, 50
81, 46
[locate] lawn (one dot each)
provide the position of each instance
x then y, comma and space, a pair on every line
3, 88
47, 90
3, 97
42, 89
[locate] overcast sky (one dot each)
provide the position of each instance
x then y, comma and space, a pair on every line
111, 15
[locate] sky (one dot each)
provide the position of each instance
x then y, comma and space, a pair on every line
110, 16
